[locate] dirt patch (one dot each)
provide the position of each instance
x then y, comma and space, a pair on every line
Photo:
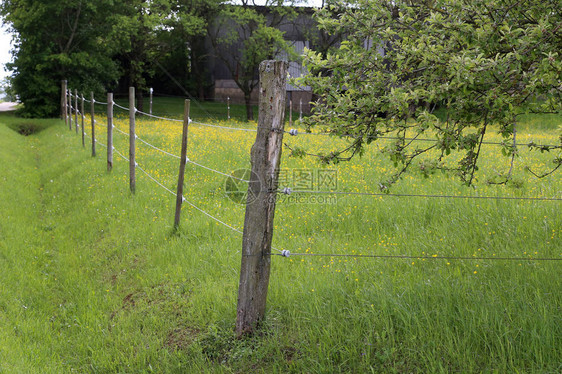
179, 339
27, 129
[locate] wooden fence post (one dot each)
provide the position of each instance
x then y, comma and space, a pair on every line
63, 102
69, 108
183, 161
132, 163
93, 122
260, 207
109, 131
83, 117
76, 109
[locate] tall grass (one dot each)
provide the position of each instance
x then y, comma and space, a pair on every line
94, 279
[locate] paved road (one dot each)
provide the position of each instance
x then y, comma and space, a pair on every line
7, 106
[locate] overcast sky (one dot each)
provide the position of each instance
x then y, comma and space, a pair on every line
5, 47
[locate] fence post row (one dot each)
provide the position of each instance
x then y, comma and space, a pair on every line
83, 117
109, 131
183, 161
132, 163
92, 109
260, 207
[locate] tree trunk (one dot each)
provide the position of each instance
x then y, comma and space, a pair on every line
140, 100
249, 110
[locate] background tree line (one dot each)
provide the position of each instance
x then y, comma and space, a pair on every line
108, 45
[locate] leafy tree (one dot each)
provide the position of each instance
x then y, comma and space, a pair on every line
485, 62
183, 58
245, 35
57, 40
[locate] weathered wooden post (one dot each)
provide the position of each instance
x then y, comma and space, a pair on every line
76, 109
183, 161
109, 131
260, 207
92, 117
83, 117
69, 108
63, 102
132, 138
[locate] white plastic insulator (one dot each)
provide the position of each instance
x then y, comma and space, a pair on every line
285, 253
293, 132
183, 199
187, 159
287, 191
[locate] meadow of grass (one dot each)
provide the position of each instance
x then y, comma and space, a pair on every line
94, 279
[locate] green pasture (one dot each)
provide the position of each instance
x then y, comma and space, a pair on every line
94, 279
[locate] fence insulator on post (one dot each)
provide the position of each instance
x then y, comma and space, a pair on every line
109, 131
76, 110
132, 163
63, 102
183, 160
83, 117
92, 117
260, 207
291, 111
228, 107
150, 106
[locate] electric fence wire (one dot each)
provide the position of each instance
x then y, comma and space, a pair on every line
218, 172
122, 156
121, 131
184, 199
288, 191
156, 148
336, 192
97, 141
100, 124
413, 257
287, 253
157, 117
121, 107
223, 127
178, 157
417, 139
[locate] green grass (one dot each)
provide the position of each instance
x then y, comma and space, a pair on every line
94, 279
